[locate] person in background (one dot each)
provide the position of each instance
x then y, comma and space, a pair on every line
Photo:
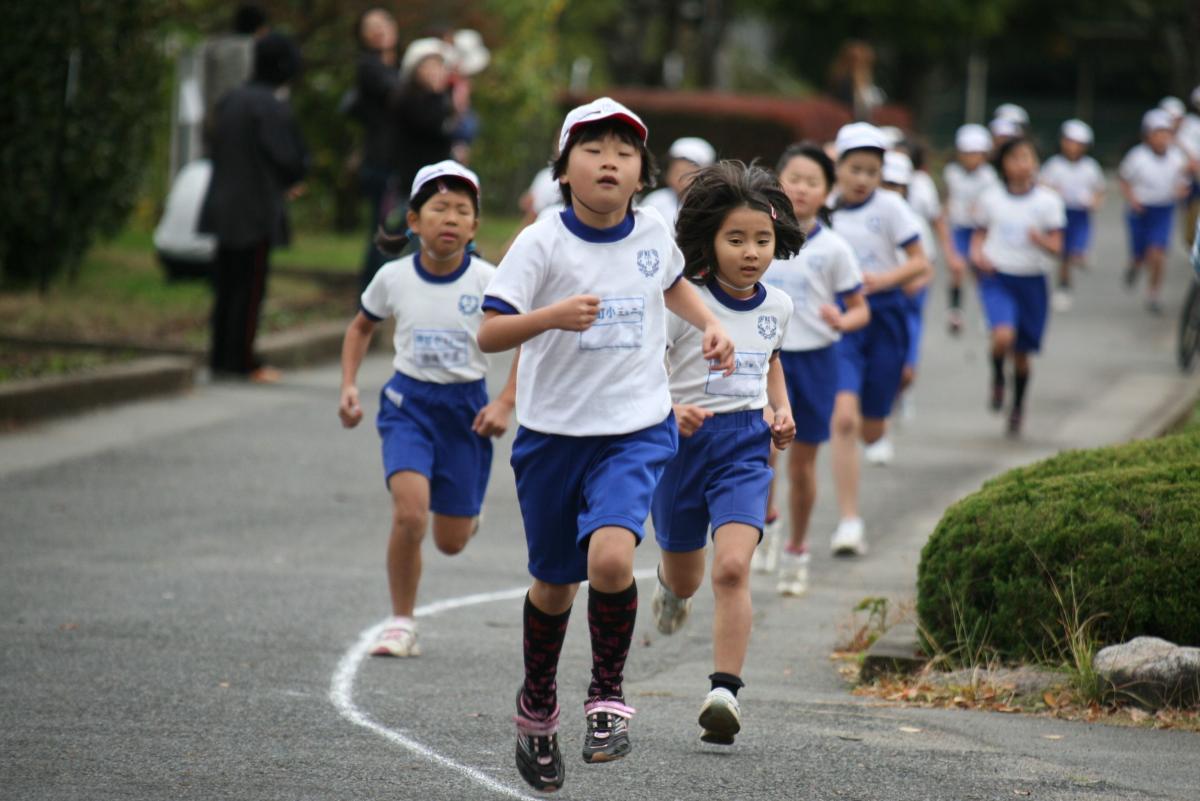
258, 156
1078, 179
229, 57
470, 57
966, 178
684, 159
852, 79
1004, 129
1188, 138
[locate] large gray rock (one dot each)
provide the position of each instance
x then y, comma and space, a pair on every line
1152, 672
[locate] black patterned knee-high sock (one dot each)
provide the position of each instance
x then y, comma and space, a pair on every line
956, 297
1019, 387
611, 616
544, 635
998, 370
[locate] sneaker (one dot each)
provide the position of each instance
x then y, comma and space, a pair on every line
399, 639
1062, 300
880, 453
1014, 423
766, 556
848, 539
670, 611
539, 761
997, 402
793, 574
607, 735
720, 717
954, 321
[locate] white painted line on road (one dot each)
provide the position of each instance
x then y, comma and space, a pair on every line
341, 688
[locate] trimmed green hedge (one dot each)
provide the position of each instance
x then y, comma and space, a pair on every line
1121, 525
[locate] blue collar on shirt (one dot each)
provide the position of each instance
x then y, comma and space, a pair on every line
738, 304
600, 236
853, 206
449, 278
816, 229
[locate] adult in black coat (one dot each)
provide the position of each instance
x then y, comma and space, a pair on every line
258, 155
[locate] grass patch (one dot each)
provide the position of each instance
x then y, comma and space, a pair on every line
16, 365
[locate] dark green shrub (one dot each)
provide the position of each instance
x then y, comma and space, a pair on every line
1125, 538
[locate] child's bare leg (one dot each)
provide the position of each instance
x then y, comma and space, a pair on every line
802, 490
847, 423
771, 460
410, 517
451, 533
873, 429
683, 572
1155, 258
733, 545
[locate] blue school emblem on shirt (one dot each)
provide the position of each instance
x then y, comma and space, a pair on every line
768, 326
468, 304
817, 263
647, 261
875, 225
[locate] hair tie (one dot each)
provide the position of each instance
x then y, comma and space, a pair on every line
774, 216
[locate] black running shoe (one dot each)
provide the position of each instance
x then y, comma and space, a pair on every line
607, 736
538, 758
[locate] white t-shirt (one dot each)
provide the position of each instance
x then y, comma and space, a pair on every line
757, 326
1188, 136
923, 196
1155, 180
963, 189
611, 378
1078, 182
823, 269
545, 192
875, 229
437, 317
1008, 219
666, 202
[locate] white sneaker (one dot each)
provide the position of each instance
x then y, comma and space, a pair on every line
766, 556
398, 639
670, 611
1061, 300
793, 574
880, 452
720, 717
848, 540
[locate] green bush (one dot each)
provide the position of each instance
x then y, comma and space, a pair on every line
1115, 532
75, 141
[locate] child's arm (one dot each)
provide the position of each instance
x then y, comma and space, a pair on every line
856, 315
955, 262
783, 429
917, 266
683, 301
493, 419
354, 348
977, 258
1049, 241
1127, 193
690, 417
500, 332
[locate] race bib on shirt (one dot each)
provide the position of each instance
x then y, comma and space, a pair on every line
438, 348
618, 325
746, 379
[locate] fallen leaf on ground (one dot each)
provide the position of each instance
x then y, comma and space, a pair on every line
1052, 736
1050, 700
910, 729
1020, 792
1138, 715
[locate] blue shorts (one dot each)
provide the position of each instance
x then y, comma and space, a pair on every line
915, 314
1150, 229
961, 237
811, 377
719, 476
1019, 302
426, 428
1078, 234
871, 360
570, 486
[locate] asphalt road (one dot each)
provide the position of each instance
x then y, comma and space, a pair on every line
184, 585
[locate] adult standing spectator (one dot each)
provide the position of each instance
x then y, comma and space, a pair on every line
229, 57
852, 79
258, 155
425, 114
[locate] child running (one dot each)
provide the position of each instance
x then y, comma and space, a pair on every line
434, 416
1079, 181
1018, 238
877, 225
686, 156
584, 294
733, 221
825, 285
966, 179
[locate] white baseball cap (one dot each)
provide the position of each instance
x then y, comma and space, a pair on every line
1004, 126
859, 135
972, 138
421, 49
444, 169
1173, 106
1077, 131
471, 55
892, 135
1157, 120
693, 149
1012, 112
897, 168
602, 108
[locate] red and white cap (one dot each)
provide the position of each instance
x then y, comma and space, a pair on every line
602, 108
858, 135
693, 149
444, 169
1173, 106
1005, 126
1077, 131
1156, 119
897, 168
972, 138
1012, 112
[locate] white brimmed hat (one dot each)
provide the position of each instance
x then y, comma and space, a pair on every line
421, 49
892, 135
444, 169
1077, 131
972, 138
1013, 112
897, 168
1173, 106
602, 108
858, 135
471, 55
1157, 120
1005, 126
693, 149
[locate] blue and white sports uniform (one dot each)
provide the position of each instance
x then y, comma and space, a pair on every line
1156, 182
428, 407
720, 474
822, 272
916, 301
963, 190
1079, 183
596, 428
871, 360
1016, 295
